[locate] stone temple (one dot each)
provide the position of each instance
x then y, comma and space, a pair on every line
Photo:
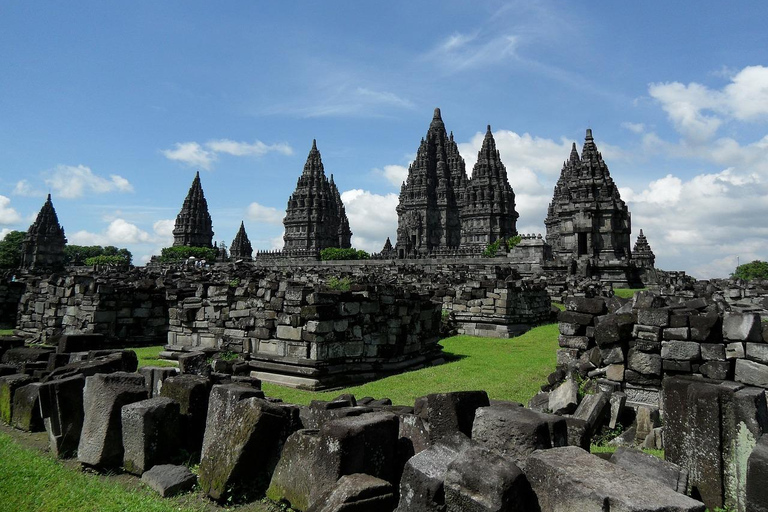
315, 218
429, 212
587, 221
43, 246
489, 212
642, 254
193, 224
241, 248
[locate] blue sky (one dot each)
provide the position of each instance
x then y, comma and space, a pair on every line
113, 106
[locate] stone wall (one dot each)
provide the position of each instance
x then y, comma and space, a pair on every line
10, 294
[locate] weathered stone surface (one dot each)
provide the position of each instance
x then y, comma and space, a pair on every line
593, 409
712, 351
191, 392
720, 370
617, 402
221, 404
517, 432
61, 406
579, 433
757, 352
579, 342
422, 485
706, 328
735, 350
293, 480
571, 317
357, 493
195, 363
757, 476
155, 376
479, 480
243, 445
644, 363
653, 317
79, 342
20, 355
169, 480
193, 225
680, 350
742, 327
106, 361
615, 372
676, 333
570, 478
151, 431
646, 465
751, 373
646, 419
594, 306
565, 398
450, 413
613, 329
612, 354
8, 386
104, 395
26, 408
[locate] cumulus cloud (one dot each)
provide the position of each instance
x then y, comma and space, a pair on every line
25, 189
72, 182
395, 174
195, 155
119, 232
634, 127
163, 229
8, 215
372, 218
267, 214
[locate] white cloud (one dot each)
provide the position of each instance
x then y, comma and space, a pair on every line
72, 182
119, 232
258, 148
634, 127
383, 97
372, 218
191, 154
395, 174
163, 229
25, 189
4, 232
465, 51
267, 214
7, 214
277, 242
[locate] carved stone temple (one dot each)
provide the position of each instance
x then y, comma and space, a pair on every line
587, 221
193, 226
431, 198
241, 248
489, 201
43, 245
642, 254
315, 217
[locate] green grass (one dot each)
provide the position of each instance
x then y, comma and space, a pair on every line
30, 482
508, 369
6, 332
148, 357
626, 293
595, 448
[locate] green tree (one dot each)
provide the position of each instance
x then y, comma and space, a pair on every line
10, 249
334, 253
78, 254
754, 270
179, 253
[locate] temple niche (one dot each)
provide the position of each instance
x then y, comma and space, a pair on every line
315, 218
193, 226
587, 222
431, 198
43, 245
488, 212
241, 248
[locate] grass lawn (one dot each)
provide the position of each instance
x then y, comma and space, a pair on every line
6, 332
148, 357
626, 293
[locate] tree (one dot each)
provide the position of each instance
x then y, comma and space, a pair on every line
10, 249
334, 253
78, 254
754, 270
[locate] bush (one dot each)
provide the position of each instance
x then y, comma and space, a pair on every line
493, 248
112, 261
754, 270
182, 253
334, 253
341, 285
10, 249
79, 254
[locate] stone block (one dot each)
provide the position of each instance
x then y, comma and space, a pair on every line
678, 320
572, 317
594, 307
617, 402
751, 373
757, 352
613, 329
651, 347
222, 401
720, 370
195, 363
104, 395
712, 351
293, 481
742, 327
757, 476
191, 392
612, 354
20, 355
673, 366
286, 332
243, 445
676, 333
614, 372
735, 350
422, 484
80, 342
61, 407
565, 398
646, 419
517, 432
26, 408
570, 329
653, 316
154, 376
706, 328
651, 467
577, 342
8, 386
644, 363
357, 493
169, 480
450, 413
681, 350
593, 409
479, 480
570, 478
151, 431
647, 332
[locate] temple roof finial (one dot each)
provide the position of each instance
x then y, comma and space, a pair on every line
589, 134
437, 114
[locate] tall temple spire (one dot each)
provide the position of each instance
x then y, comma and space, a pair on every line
489, 212
193, 226
43, 245
241, 248
642, 253
315, 217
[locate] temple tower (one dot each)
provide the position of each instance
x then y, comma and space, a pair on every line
315, 217
587, 218
489, 201
429, 211
43, 246
241, 248
642, 253
193, 224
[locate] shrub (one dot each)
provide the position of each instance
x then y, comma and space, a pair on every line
493, 248
754, 270
10, 249
334, 253
182, 253
337, 284
79, 254
113, 261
